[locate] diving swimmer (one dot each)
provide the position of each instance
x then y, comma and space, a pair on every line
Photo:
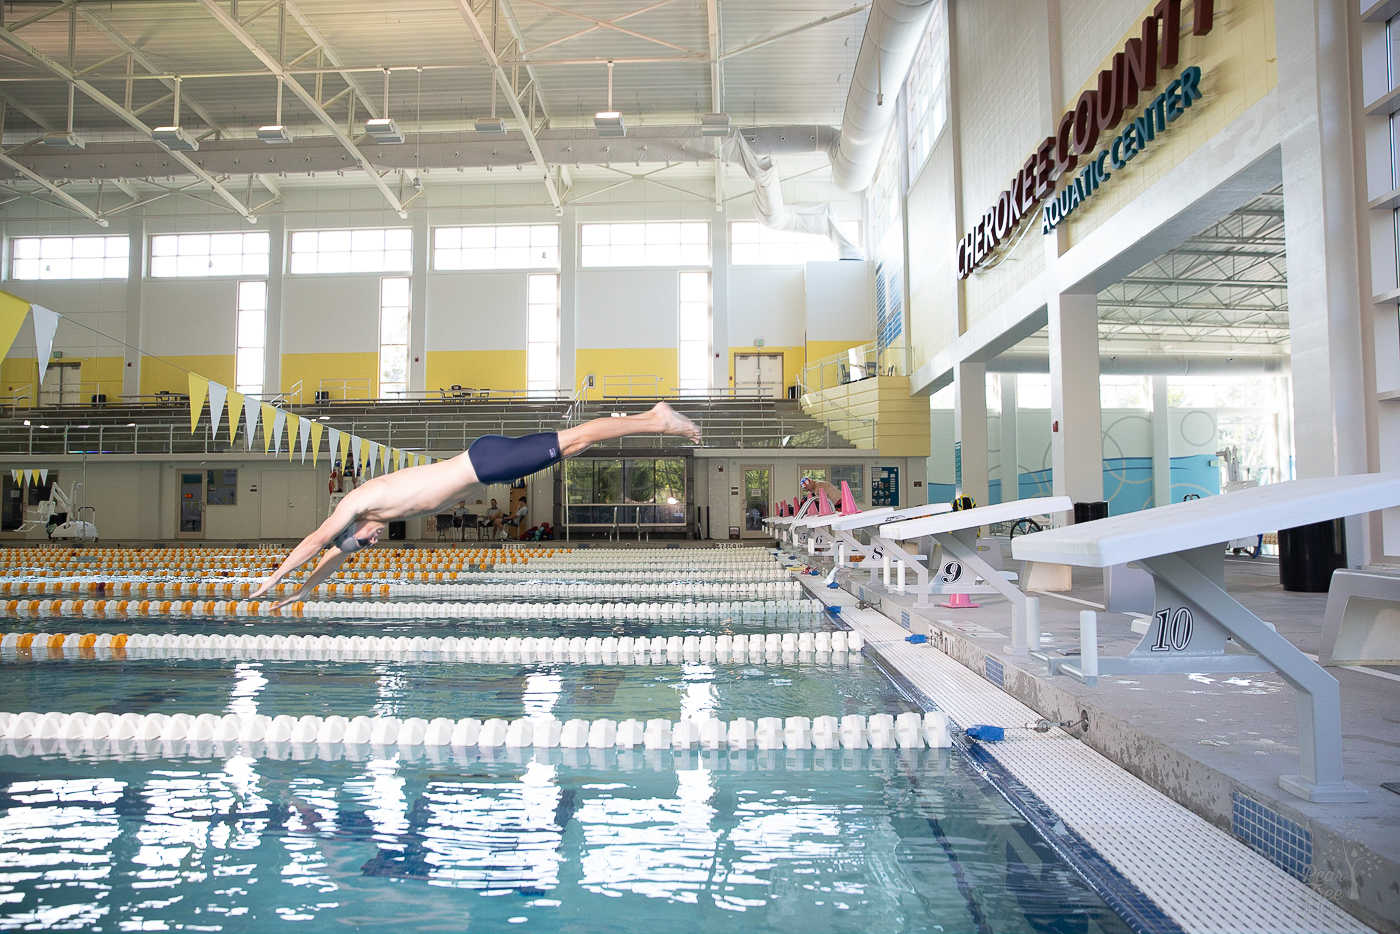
366, 511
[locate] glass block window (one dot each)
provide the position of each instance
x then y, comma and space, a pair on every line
339, 251
517, 247
251, 340
191, 255
542, 333
70, 258
393, 337
677, 244
694, 360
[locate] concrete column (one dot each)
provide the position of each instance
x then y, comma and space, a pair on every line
1010, 455
1076, 424
568, 301
135, 279
1161, 443
418, 298
272, 356
719, 302
970, 428
1324, 288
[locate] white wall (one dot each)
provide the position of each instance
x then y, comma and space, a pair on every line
628, 307
767, 303
476, 311
330, 314
188, 316
97, 303
840, 301
1089, 31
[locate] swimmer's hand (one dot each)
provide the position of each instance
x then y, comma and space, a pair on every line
264, 587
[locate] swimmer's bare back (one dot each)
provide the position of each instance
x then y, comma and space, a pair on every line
430, 488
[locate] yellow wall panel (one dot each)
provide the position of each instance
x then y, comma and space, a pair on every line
311, 368
475, 369
168, 373
618, 364
99, 375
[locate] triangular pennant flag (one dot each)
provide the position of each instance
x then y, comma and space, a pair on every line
362, 449
292, 431
34, 476
304, 431
199, 388
217, 394
401, 459
317, 429
12, 312
43, 475
235, 413
269, 423
333, 446
344, 446
14, 474
250, 418
45, 326
279, 419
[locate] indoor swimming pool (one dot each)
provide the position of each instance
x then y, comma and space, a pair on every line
514, 773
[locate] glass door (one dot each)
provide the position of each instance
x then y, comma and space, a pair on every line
191, 505
757, 482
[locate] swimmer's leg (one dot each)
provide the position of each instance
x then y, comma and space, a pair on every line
662, 419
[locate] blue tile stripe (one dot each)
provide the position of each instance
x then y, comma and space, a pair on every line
1135, 907
995, 672
1283, 842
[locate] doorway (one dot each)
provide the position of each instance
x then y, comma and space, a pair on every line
62, 384
759, 374
191, 505
288, 503
757, 502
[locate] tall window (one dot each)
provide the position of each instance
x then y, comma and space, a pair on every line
70, 258
393, 337
685, 244
251, 339
232, 254
519, 247
695, 368
926, 90
542, 333
756, 245
335, 251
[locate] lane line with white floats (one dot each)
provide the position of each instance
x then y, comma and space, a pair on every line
370, 610
908, 730
113, 585
784, 648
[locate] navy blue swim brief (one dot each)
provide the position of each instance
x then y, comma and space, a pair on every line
499, 459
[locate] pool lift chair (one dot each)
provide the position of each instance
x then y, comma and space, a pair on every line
60, 504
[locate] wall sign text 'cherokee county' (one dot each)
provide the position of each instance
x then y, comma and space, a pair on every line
1098, 110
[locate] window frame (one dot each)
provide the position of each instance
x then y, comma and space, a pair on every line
239, 344
584, 246
533, 386
293, 254
22, 261
407, 345
154, 260
434, 247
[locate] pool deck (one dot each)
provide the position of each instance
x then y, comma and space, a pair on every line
1215, 744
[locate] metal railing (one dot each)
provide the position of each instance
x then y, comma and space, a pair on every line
850, 366
632, 384
725, 423
344, 386
864, 424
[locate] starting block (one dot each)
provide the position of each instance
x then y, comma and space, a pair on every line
1197, 626
880, 555
962, 567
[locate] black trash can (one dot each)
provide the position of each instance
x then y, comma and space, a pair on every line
1088, 512
1308, 554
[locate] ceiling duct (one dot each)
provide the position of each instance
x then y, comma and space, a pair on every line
770, 209
892, 35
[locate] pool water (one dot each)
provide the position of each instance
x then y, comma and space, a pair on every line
443, 839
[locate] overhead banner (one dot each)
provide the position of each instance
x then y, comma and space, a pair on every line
217, 395
199, 388
45, 327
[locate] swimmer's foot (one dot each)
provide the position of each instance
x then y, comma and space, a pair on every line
674, 423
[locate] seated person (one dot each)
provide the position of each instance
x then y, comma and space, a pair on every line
494, 516
517, 520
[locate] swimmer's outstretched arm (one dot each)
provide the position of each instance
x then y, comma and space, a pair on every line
347, 512
328, 565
